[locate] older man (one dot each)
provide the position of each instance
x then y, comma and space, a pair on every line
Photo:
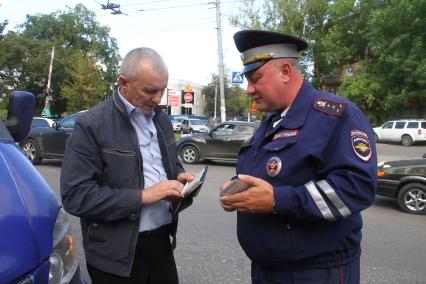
310, 170
119, 173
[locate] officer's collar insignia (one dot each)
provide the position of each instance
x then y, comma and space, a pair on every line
285, 134
273, 167
361, 145
330, 107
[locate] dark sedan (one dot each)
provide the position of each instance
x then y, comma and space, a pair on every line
222, 142
48, 142
404, 180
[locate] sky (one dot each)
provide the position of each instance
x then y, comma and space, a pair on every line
184, 32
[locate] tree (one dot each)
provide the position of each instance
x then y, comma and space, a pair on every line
85, 88
75, 34
386, 40
237, 102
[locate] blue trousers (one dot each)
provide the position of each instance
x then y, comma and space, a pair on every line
346, 274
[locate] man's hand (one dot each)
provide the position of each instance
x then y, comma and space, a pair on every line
258, 198
166, 189
184, 177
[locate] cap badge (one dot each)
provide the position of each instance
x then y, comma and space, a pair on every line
273, 167
260, 57
361, 145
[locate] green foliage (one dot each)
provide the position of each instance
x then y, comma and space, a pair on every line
237, 103
76, 36
86, 87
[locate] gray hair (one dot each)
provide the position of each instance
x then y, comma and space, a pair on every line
130, 67
294, 62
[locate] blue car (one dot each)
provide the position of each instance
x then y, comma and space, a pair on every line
35, 241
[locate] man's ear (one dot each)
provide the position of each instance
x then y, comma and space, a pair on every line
286, 70
122, 82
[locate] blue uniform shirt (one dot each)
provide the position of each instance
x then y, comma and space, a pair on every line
321, 161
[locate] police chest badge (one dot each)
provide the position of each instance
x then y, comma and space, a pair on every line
273, 167
361, 145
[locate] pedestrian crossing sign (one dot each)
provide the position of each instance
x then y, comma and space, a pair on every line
237, 78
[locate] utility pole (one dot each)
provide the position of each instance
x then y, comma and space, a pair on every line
220, 53
215, 100
46, 110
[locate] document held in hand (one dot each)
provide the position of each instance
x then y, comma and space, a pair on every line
195, 184
190, 190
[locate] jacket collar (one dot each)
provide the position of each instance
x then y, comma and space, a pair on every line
299, 109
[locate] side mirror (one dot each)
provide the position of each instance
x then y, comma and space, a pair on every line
424, 156
20, 114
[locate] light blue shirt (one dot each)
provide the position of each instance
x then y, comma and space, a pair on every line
156, 214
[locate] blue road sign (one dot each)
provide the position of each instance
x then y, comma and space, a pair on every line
237, 78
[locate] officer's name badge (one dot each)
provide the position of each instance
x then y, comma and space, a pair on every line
285, 134
361, 144
330, 107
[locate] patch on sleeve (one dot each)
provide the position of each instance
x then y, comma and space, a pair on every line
330, 107
361, 145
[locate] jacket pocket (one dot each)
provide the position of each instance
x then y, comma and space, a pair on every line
110, 240
121, 167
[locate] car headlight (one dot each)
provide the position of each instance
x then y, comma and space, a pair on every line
63, 263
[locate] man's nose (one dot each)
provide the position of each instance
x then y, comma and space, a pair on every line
251, 90
157, 98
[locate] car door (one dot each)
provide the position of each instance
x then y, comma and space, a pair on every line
184, 127
398, 130
222, 142
54, 142
386, 130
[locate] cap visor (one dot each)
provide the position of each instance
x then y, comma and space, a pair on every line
252, 66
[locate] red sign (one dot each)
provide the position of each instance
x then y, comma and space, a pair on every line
187, 97
173, 100
253, 106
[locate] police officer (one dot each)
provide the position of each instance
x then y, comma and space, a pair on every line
310, 170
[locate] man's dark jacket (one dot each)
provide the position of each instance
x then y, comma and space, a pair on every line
101, 181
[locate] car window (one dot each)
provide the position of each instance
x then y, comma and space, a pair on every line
225, 129
423, 125
197, 122
413, 124
245, 130
388, 125
40, 123
68, 122
399, 125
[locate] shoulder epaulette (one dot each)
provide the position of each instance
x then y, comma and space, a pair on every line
330, 107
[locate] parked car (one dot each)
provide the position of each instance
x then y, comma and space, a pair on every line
193, 125
42, 122
48, 142
223, 142
177, 123
36, 244
404, 180
406, 131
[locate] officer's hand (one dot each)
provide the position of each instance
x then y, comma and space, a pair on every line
166, 189
224, 205
184, 177
258, 198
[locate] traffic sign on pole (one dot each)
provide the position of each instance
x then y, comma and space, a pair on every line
237, 78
